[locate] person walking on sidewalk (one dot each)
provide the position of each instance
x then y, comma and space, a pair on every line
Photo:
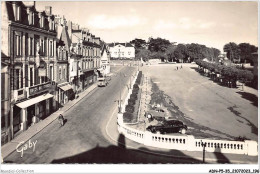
61, 119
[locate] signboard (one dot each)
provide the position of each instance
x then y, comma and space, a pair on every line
42, 72
39, 88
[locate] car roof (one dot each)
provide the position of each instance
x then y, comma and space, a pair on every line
173, 122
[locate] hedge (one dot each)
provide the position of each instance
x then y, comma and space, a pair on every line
229, 72
129, 108
133, 96
131, 101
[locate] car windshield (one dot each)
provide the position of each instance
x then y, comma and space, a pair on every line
173, 122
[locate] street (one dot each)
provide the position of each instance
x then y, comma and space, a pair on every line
83, 138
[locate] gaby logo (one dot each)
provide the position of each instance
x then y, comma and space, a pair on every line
21, 147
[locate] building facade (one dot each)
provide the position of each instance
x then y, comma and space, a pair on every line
122, 51
84, 57
30, 44
64, 89
5, 99
104, 60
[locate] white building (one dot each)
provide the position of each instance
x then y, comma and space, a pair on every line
122, 51
105, 59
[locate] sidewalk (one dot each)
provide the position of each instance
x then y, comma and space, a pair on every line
10, 147
210, 157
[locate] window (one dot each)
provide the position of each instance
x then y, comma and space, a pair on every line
17, 12
18, 45
59, 73
43, 79
16, 79
31, 18
51, 73
64, 73
30, 46
51, 48
26, 76
42, 22
31, 76
42, 47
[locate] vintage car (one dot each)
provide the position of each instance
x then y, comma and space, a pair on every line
164, 127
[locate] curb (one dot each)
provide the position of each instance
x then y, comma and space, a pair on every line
40, 129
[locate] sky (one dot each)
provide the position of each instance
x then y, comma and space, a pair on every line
209, 23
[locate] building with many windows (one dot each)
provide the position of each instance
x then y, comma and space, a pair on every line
122, 51
30, 45
84, 57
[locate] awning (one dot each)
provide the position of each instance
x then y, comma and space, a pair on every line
66, 87
33, 101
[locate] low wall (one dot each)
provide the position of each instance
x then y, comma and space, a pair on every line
183, 142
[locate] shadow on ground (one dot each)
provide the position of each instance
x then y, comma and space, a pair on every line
251, 97
121, 155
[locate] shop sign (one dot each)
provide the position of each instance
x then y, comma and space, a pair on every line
39, 88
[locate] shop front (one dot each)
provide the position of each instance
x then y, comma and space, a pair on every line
89, 78
65, 92
33, 110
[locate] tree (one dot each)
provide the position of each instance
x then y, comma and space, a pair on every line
216, 53
181, 52
158, 44
144, 54
233, 51
138, 43
170, 53
246, 51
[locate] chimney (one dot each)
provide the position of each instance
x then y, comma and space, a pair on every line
70, 29
48, 10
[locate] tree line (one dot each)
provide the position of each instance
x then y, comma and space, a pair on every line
163, 49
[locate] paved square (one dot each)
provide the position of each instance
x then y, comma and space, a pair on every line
215, 110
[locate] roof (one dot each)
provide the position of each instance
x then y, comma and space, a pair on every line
65, 37
126, 44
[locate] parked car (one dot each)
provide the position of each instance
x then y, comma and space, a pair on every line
172, 126
156, 113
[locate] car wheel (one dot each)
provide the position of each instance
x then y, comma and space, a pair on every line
183, 131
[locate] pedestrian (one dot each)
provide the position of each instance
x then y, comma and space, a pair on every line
177, 67
61, 119
181, 66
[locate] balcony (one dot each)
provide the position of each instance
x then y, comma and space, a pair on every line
19, 94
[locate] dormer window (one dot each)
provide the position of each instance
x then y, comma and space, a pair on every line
17, 12
30, 16
42, 21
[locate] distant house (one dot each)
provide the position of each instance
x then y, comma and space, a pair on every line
122, 51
